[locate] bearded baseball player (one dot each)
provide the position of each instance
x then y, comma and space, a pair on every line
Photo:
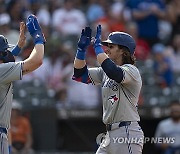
11, 71
121, 84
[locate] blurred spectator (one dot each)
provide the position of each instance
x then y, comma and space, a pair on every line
162, 66
113, 20
56, 70
80, 95
53, 5
142, 51
61, 98
16, 12
147, 14
21, 133
117, 17
175, 53
41, 11
94, 11
5, 28
68, 20
174, 15
170, 128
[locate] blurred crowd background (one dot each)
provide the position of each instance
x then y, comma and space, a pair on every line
69, 113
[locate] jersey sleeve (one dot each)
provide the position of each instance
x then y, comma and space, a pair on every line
130, 73
95, 75
10, 72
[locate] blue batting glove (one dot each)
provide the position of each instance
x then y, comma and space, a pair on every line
85, 39
97, 41
83, 43
35, 29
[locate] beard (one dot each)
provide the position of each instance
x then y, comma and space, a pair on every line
175, 117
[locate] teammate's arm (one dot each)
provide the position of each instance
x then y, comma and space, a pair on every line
110, 68
36, 57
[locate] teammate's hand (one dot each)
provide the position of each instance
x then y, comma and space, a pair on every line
21, 42
97, 39
85, 39
22, 37
35, 30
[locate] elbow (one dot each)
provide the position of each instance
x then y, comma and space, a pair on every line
39, 63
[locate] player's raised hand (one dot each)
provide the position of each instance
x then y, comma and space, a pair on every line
22, 37
85, 39
21, 41
97, 40
35, 30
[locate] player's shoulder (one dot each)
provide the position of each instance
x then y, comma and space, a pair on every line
99, 68
130, 67
6, 66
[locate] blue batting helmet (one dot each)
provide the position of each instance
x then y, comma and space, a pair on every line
4, 43
121, 38
5, 55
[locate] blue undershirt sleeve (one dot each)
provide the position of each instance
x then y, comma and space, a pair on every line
112, 70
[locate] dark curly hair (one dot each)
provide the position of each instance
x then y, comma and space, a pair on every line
127, 57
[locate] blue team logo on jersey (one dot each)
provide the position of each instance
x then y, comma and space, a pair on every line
111, 84
113, 99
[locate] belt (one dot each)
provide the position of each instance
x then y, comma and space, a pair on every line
117, 125
3, 130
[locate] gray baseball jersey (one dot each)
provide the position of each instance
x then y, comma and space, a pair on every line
120, 100
8, 72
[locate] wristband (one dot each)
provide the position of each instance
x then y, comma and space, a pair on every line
39, 42
98, 50
80, 54
16, 50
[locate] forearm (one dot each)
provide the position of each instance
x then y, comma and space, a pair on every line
78, 64
101, 57
38, 52
35, 59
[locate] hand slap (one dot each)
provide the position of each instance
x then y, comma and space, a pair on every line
32, 24
83, 43
34, 29
98, 32
97, 40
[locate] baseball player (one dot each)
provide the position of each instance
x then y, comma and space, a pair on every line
121, 84
11, 71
